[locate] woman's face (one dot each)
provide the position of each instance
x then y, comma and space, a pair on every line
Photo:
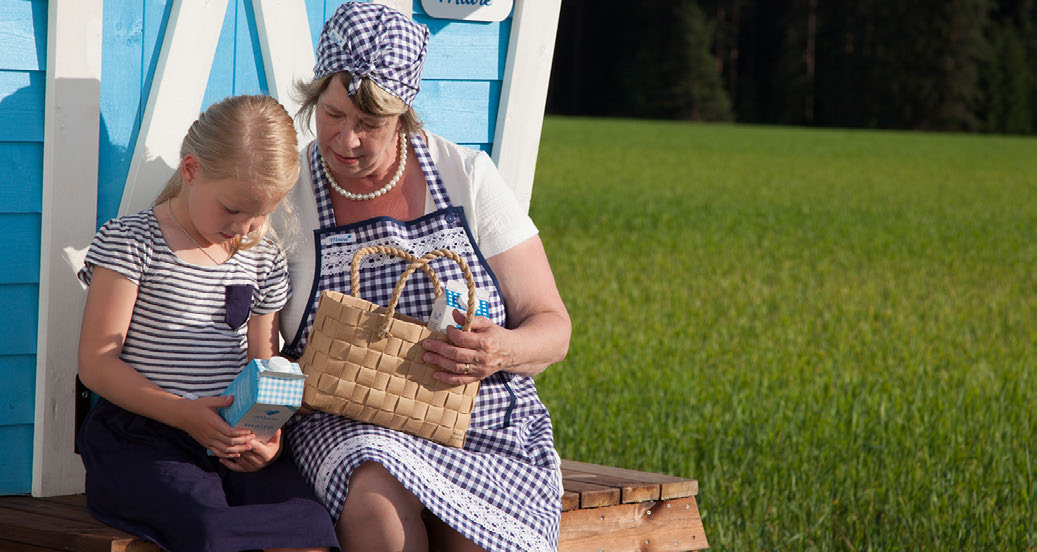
354, 145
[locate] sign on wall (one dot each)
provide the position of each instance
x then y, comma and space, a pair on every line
468, 10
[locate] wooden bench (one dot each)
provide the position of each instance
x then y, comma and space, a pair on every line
603, 509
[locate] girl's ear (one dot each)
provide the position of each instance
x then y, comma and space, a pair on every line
189, 168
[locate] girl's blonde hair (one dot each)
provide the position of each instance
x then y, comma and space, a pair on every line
370, 99
250, 138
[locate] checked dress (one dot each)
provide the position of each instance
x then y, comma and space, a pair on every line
502, 489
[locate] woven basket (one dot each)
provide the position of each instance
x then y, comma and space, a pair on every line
364, 361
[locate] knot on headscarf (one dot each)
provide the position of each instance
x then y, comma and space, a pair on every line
376, 42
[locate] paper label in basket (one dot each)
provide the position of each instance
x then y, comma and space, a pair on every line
266, 394
455, 296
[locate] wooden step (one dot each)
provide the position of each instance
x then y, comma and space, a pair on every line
603, 509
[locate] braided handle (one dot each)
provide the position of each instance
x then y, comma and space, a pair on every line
354, 270
423, 263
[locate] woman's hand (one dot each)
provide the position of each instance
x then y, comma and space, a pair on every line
261, 455
538, 325
469, 356
200, 419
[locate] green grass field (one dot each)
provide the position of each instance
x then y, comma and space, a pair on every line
833, 331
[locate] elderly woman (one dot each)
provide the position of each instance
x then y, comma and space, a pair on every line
376, 178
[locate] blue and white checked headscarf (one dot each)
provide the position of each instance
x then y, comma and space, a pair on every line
374, 41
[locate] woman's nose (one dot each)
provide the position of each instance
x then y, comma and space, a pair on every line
349, 137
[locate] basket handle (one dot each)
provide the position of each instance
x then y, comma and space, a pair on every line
354, 271
423, 263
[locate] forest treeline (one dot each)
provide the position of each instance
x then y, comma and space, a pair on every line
956, 65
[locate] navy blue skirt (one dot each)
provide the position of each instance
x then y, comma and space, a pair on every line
157, 482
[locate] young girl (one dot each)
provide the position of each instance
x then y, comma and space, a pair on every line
181, 296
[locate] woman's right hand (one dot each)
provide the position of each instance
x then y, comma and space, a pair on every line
200, 419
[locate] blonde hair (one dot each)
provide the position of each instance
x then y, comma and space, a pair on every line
370, 99
250, 138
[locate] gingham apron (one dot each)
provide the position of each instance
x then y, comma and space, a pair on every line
502, 489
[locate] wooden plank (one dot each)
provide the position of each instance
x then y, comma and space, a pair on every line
222, 72
21, 107
461, 111
671, 486
671, 525
570, 500
284, 40
174, 98
631, 490
125, 36
18, 325
11, 546
465, 50
21, 252
71, 135
18, 372
524, 93
50, 508
16, 461
64, 534
591, 495
23, 33
21, 180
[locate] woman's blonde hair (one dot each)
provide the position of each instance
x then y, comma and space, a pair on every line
250, 138
370, 99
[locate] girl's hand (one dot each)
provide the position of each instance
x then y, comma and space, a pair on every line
261, 455
199, 418
470, 356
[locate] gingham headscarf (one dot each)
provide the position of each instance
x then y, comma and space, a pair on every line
374, 41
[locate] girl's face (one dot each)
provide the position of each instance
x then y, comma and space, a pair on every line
223, 209
354, 145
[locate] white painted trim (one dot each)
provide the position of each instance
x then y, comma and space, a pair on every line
177, 93
70, 148
524, 93
284, 39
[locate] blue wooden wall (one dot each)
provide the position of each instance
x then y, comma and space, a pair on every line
459, 99
23, 57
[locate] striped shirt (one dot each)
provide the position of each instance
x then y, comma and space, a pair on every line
179, 336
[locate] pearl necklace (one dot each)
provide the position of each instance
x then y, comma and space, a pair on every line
381, 191
188, 234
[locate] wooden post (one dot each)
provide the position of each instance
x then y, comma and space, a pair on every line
70, 142
524, 93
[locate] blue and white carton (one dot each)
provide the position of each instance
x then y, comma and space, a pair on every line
455, 296
266, 394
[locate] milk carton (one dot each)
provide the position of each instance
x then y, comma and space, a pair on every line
266, 393
455, 296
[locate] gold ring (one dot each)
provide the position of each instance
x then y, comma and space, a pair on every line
465, 368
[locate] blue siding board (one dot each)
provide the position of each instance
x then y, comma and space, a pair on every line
18, 325
17, 394
122, 73
463, 111
465, 50
21, 105
21, 178
16, 461
21, 252
23, 32
250, 75
221, 75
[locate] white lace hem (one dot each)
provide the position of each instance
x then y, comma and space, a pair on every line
472, 508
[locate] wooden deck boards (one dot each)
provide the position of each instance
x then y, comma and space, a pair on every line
603, 509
